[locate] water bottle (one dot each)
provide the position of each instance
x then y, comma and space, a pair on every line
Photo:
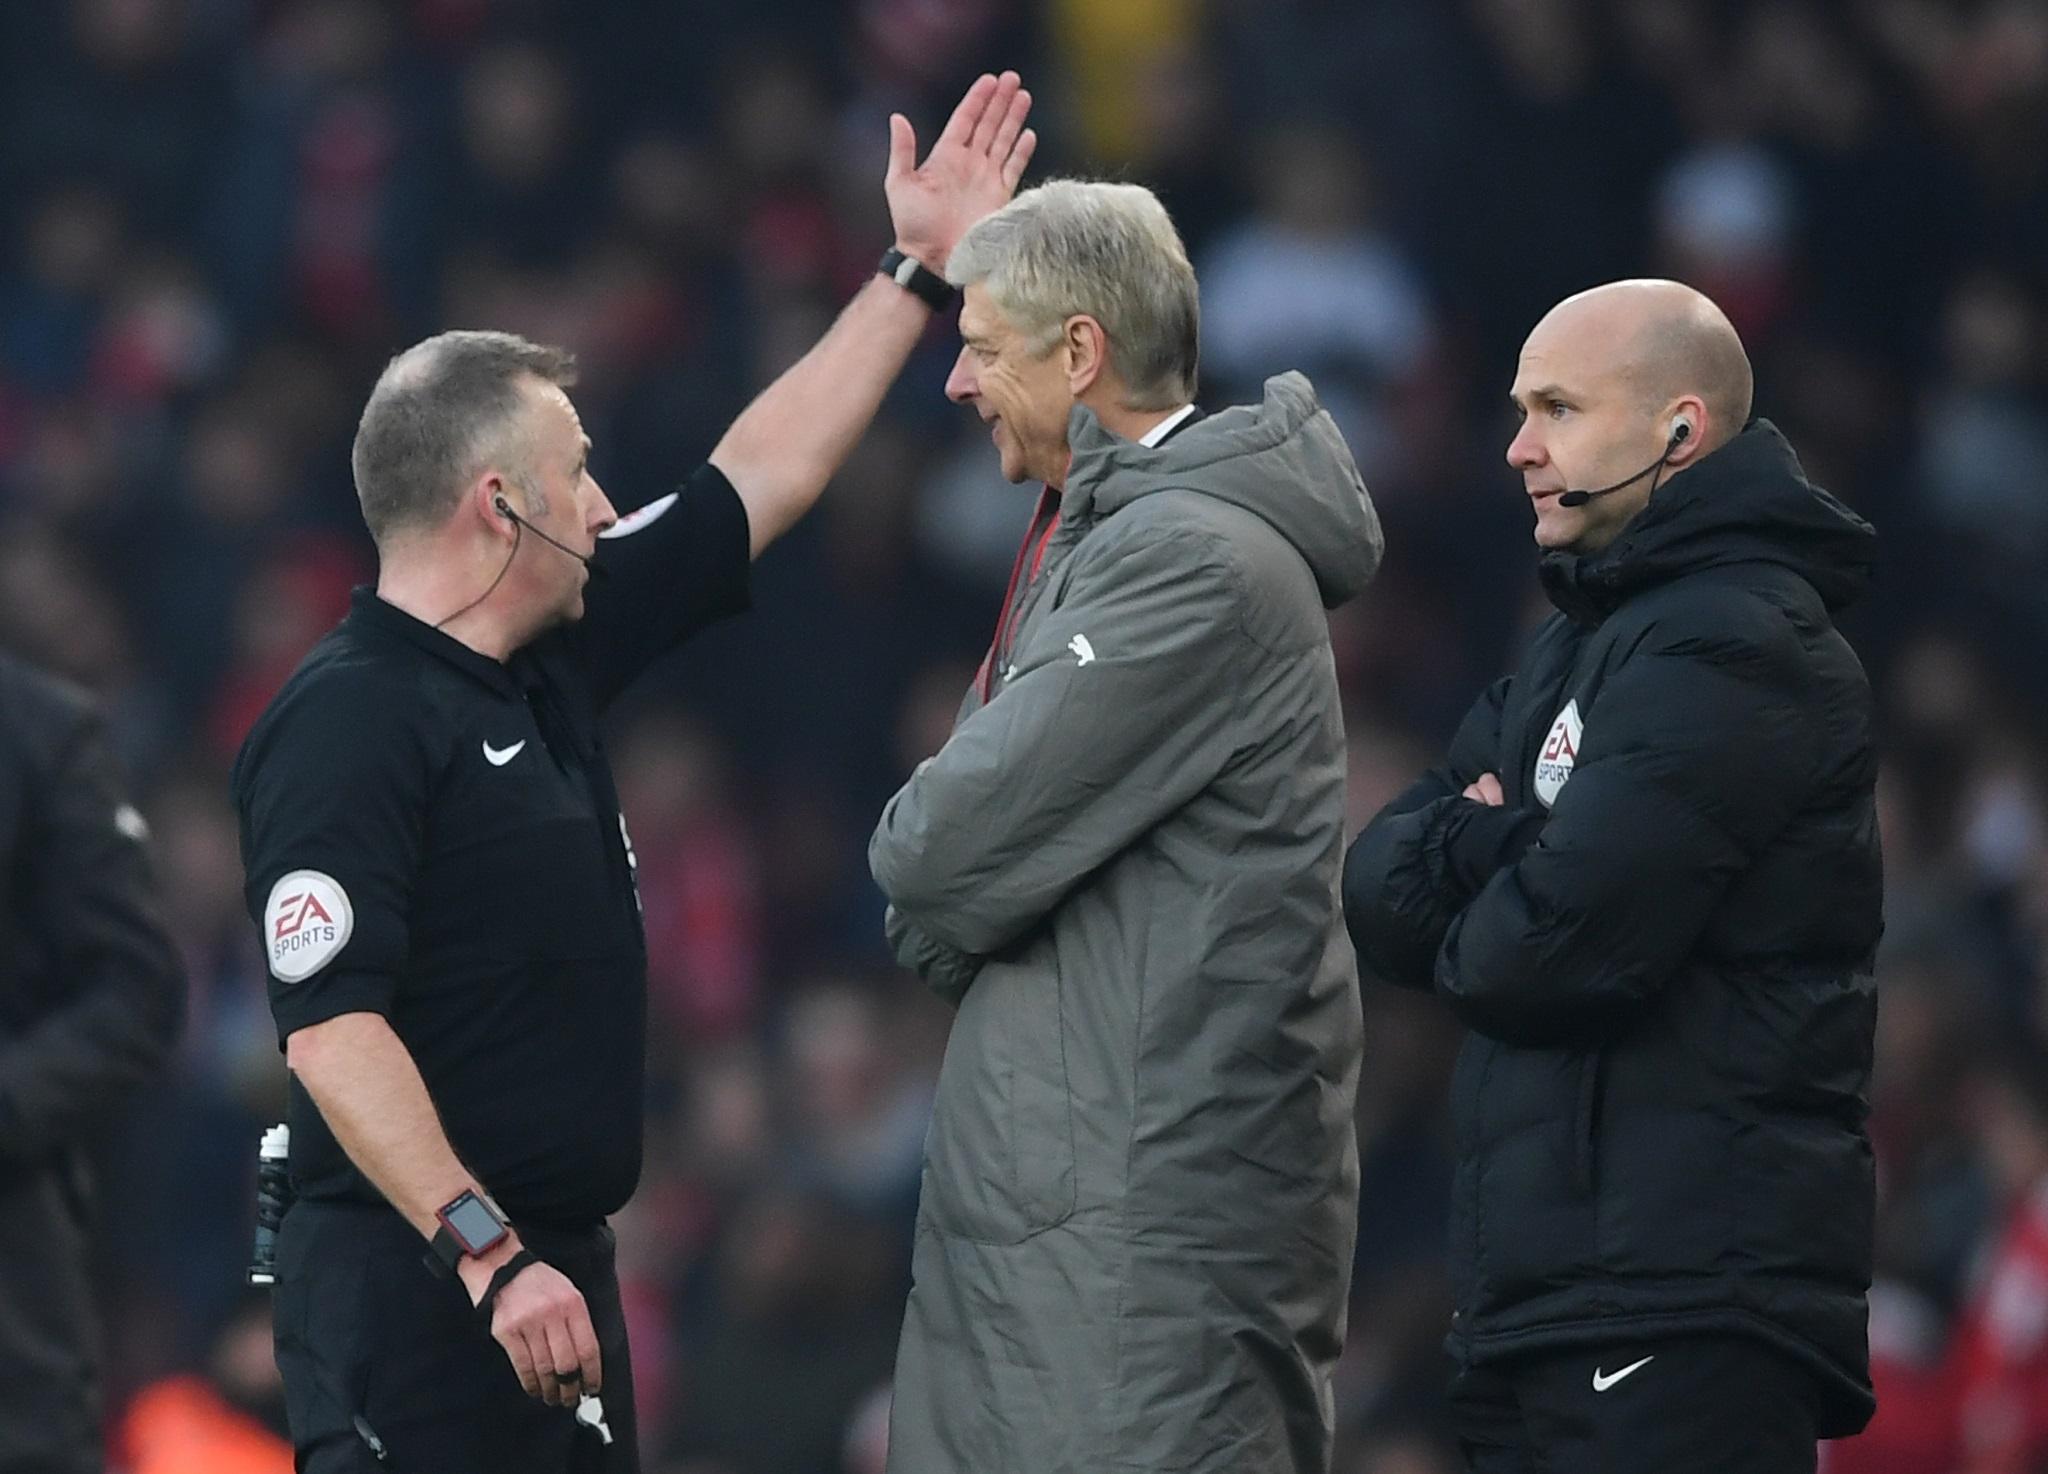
273, 1196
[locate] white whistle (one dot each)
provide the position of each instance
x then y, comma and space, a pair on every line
590, 1413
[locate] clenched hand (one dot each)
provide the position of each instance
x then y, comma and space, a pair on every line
1485, 789
539, 1318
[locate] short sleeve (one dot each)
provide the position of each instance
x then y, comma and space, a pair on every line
661, 574
332, 794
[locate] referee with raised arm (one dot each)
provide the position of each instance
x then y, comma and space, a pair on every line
435, 855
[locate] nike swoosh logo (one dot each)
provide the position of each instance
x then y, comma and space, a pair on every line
497, 757
1602, 1382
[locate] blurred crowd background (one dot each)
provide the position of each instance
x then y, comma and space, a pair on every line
221, 216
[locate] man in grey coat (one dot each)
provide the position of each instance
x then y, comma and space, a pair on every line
1140, 1188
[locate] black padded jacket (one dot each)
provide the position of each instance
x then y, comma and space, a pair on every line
1662, 942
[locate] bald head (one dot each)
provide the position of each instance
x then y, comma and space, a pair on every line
1664, 340
436, 409
1604, 381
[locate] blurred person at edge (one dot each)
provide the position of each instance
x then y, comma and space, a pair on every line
91, 997
434, 853
1141, 1182
227, 1419
1998, 1358
1982, 1408
1646, 878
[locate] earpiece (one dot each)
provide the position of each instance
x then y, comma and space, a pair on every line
505, 510
1681, 431
522, 526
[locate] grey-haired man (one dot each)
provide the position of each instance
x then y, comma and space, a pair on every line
1140, 1191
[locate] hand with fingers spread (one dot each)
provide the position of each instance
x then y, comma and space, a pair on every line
540, 1320
971, 171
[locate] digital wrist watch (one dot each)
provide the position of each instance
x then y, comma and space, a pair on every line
470, 1225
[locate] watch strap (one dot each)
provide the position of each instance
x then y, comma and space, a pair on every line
917, 279
507, 1272
445, 1252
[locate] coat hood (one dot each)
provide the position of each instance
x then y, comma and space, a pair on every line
1748, 502
1283, 461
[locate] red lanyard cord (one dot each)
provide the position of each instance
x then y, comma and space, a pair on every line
1031, 551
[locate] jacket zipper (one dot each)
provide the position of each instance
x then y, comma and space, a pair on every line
1031, 551
1583, 1145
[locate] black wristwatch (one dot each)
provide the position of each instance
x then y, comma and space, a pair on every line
917, 279
470, 1225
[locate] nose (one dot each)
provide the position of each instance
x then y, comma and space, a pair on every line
603, 515
960, 383
1526, 449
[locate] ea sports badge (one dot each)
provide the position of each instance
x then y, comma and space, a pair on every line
1559, 752
306, 922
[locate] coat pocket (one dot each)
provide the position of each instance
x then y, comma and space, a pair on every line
999, 1162
1586, 1126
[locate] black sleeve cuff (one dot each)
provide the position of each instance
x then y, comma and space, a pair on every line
730, 539
1483, 838
297, 1006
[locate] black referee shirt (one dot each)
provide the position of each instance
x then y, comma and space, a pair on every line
434, 836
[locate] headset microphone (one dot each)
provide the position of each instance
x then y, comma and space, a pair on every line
1679, 431
505, 510
596, 570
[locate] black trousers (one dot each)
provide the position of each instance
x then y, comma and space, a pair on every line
50, 1392
364, 1329
1706, 1405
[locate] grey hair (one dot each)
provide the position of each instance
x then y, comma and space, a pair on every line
440, 410
1107, 250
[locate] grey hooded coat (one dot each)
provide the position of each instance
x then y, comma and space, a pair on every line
1140, 1188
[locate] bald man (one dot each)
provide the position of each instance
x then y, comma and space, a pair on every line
1646, 878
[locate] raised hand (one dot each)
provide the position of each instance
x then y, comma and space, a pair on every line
972, 170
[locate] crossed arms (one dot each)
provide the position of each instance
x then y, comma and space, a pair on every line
1541, 929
